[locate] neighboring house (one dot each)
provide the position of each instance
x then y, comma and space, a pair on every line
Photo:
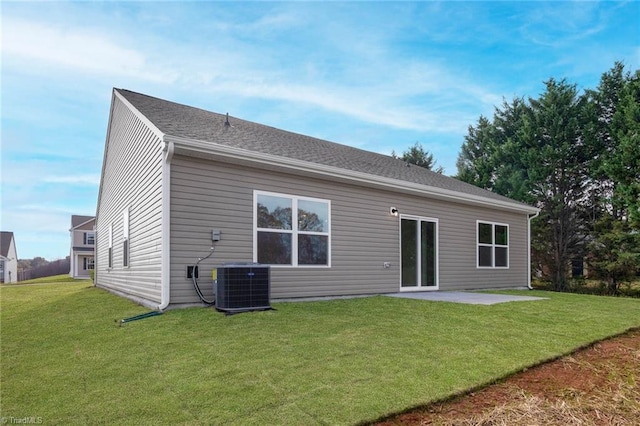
8, 258
330, 219
83, 242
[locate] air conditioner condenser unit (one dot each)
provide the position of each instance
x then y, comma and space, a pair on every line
242, 287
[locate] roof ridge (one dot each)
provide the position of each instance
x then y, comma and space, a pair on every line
185, 121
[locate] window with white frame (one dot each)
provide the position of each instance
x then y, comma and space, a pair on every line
89, 263
291, 230
89, 238
493, 245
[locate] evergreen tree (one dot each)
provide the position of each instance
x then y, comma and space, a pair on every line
417, 155
575, 156
615, 246
475, 162
556, 156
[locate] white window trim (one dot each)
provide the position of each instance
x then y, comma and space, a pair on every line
420, 287
125, 224
110, 248
493, 245
294, 232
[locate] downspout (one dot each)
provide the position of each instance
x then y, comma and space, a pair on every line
165, 276
529, 249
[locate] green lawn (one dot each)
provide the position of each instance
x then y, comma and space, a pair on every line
65, 360
55, 279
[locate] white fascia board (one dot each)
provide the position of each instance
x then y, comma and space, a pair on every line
139, 115
207, 149
116, 95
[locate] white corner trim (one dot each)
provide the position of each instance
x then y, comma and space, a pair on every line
138, 114
165, 273
530, 218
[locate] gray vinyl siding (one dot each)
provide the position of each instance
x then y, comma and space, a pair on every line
208, 195
132, 179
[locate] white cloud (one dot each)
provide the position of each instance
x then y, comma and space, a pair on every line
87, 179
80, 49
381, 90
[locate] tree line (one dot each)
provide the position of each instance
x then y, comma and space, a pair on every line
576, 156
39, 267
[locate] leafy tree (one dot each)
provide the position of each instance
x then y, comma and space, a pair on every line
605, 102
623, 166
575, 156
491, 156
615, 253
417, 155
555, 151
279, 218
475, 162
36, 262
535, 151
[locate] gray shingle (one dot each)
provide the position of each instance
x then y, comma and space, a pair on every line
5, 242
77, 220
188, 122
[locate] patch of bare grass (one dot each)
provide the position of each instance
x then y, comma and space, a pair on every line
620, 407
613, 399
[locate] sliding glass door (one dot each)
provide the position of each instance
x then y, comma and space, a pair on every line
419, 253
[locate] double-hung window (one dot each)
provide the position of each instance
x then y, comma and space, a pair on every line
291, 230
89, 238
88, 263
493, 245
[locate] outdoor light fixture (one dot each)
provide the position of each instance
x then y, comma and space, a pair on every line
393, 211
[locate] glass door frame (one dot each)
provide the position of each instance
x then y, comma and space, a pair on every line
420, 220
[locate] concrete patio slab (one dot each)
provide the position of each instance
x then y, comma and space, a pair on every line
464, 297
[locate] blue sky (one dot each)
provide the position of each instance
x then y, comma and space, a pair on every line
376, 75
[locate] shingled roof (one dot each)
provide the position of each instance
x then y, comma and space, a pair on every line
77, 220
183, 121
5, 242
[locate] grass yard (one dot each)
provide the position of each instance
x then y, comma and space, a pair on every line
65, 360
55, 279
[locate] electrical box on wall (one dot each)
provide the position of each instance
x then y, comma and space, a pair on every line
191, 271
215, 235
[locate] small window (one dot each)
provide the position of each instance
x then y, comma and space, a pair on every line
493, 245
125, 238
125, 253
290, 230
88, 263
90, 238
110, 260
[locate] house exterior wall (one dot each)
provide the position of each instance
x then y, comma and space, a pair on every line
131, 182
81, 250
79, 239
207, 194
9, 266
81, 264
